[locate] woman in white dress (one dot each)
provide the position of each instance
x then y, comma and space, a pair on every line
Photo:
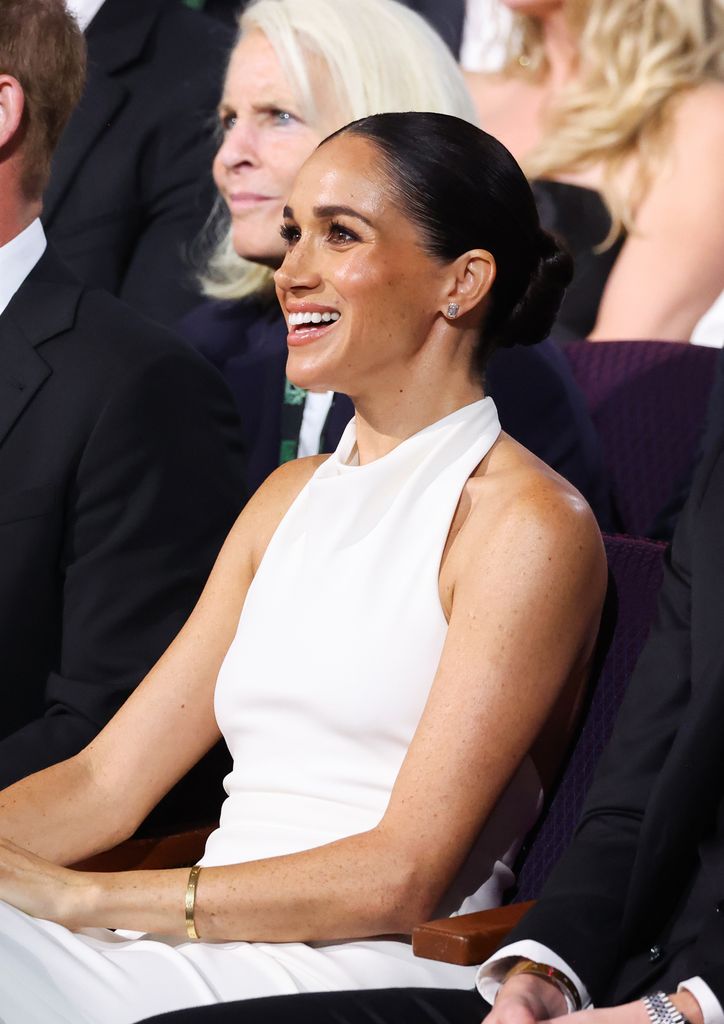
400, 632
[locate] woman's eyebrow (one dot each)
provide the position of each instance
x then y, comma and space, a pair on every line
324, 212
334, 211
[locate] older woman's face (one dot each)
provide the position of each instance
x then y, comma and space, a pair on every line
265, 143
355, 264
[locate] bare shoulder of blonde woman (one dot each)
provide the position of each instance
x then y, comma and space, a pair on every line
671, 268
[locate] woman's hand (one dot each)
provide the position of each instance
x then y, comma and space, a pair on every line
40, 888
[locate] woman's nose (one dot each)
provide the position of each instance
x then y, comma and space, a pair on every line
298, 270
238, 147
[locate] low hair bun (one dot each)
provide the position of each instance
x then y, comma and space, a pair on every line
531, 318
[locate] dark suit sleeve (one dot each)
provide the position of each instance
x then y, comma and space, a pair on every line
157, 488
582, 909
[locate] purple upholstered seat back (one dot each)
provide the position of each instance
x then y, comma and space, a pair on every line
648, 401
635, 567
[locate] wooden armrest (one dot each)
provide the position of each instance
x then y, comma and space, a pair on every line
175, 851
469, 938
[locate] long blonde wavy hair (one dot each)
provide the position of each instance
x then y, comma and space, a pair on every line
381, 57
635, 57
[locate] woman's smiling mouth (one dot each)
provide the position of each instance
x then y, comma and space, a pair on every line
309, 324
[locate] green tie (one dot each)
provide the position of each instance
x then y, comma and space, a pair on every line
292, 413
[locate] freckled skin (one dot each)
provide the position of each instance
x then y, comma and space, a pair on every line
387, 288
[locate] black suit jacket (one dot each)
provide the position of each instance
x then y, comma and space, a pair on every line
447, 16
120, 474
651, 839
131, 180
538, 400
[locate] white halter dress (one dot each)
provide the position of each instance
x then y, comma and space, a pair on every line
318, 699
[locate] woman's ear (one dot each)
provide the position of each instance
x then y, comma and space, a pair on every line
474, 273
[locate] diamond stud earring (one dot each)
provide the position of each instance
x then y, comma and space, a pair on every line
452, 310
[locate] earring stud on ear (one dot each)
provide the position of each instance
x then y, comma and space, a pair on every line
452, 310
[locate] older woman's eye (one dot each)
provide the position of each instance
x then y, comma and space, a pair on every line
289, 233
227, 121
282, 116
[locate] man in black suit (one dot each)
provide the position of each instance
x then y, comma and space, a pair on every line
131, 182
636, 905
120, 466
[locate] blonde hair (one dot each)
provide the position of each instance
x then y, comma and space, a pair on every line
634, 58
380, 57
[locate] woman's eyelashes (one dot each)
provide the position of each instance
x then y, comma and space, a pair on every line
336, 233
282, 117
339, 233
228, 118
290, 234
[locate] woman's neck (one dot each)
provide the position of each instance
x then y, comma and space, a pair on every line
561, 48
385, 421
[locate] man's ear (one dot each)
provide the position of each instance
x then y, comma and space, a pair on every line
474, 274
12, 105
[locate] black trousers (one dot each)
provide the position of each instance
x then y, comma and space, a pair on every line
378, 1006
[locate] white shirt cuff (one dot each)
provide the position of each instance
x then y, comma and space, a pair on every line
489, 976
711, 1008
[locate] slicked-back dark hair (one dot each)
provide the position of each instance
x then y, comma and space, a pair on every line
463, 190
43, 48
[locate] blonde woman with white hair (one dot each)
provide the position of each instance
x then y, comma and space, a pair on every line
616, 109
301, 69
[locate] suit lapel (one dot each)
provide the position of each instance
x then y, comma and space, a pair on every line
22, 372
116, 38
44, 306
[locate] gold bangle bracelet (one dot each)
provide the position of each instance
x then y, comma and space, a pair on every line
564, 984
190, 901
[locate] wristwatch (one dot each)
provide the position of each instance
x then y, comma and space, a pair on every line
662, 1011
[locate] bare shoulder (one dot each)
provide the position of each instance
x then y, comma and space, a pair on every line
698, 118
264, 511
518, 512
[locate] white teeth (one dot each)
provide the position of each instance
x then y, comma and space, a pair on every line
296, 319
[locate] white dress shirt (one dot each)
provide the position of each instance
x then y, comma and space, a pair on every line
17, 259
490, 975
84, 11
485, 35
316, 407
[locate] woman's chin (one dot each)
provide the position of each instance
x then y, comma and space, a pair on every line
310, 381
312, 377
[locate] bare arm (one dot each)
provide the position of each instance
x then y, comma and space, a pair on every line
518, 631
99, 797
671, 268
